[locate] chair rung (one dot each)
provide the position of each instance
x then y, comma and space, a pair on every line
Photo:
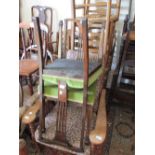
98, 4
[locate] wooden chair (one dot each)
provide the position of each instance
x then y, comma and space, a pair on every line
97, 10
45, 15
76, 86
123, 90
27, 65
126, 75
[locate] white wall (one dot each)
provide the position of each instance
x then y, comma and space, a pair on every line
61, 9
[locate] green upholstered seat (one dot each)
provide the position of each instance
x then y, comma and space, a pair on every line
71, 71
74, 95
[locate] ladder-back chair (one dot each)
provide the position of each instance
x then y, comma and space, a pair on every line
97, 10
76, 86
91, 9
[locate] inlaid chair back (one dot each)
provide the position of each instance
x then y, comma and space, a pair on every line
71, 82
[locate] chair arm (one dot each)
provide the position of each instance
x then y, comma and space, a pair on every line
98, 135
30, 114
27, 104
22, 111
31, 107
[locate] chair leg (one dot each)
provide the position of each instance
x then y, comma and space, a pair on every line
29, 79
89, 118
42, 118
96, 149
32, 130
22, 147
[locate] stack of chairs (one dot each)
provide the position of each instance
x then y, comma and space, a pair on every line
77, 123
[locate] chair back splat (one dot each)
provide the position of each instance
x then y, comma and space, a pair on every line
71, 82
45, 15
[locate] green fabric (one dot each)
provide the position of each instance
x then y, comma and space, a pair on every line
72, 82
74, 95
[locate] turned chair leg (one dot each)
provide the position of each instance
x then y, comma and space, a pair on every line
29, 80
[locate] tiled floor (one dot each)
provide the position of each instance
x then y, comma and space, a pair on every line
122, 140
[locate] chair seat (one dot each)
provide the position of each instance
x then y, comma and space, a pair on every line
28, 67
74, 95
71, 71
